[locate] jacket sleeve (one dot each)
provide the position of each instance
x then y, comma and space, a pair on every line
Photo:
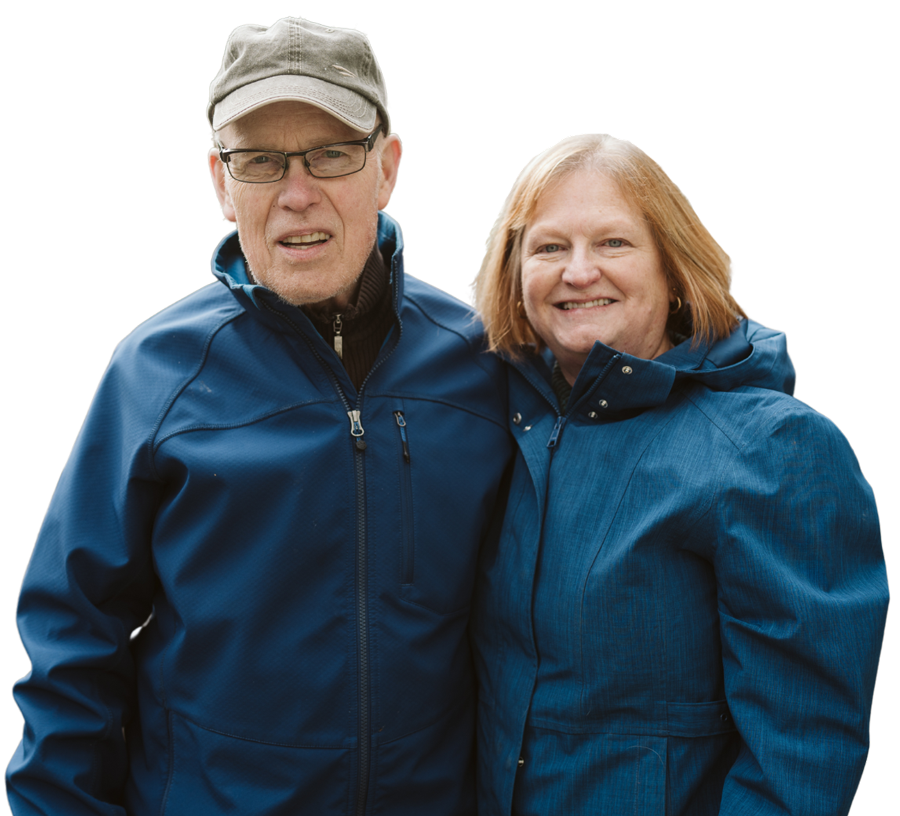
802, 594
89, 584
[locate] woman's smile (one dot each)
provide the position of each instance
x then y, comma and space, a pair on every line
573, 304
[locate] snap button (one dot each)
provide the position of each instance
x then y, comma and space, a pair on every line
521, 762
593, 414
724, 717
527, 428
603, 404
517, 419
626, 369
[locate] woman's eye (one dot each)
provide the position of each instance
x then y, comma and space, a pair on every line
615, 243
549, 248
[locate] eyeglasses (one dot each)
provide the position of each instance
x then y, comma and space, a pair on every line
327, 161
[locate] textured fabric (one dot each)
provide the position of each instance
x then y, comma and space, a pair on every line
684, 611
364, 324
307, 589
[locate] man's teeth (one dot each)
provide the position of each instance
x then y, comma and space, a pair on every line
598, 302
306, 239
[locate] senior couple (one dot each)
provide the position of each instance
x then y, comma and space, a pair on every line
253, 591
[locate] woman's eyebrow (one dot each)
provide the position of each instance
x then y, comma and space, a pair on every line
542, 231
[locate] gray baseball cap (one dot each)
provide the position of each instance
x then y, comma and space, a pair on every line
296, 59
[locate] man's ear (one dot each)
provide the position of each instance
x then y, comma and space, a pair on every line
391, 151
218, 173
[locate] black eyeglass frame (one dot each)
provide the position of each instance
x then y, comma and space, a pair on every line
225, 154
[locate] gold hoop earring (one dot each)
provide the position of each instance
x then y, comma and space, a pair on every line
520, 310
677, 309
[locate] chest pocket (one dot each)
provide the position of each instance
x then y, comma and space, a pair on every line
446, 493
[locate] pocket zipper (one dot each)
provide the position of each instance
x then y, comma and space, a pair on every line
401, 424
407, 561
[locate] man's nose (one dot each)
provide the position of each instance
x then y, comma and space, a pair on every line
299, 188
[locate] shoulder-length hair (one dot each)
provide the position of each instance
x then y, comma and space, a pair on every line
696, 267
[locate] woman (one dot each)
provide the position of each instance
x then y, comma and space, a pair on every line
684, 610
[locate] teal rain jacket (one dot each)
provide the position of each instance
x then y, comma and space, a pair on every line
684, 612
305, 555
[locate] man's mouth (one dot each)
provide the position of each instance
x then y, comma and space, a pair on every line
571, 304
310, 239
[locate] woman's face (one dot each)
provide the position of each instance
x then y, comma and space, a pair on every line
591, 271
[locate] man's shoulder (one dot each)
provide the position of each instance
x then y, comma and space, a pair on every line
202, 307
165, 349
443, 310
443, 356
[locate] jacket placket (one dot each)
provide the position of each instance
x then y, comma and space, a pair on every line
357, 434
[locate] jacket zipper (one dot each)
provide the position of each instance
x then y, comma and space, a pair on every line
362, 607
362, 582
557, 430
407, 562
338, 338
561, 418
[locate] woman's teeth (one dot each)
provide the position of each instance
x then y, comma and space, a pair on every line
598, 302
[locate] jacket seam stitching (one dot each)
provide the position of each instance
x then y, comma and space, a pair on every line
342, 747
179, 390
549, 725
424, 398
227, 426
478, 350
712, 422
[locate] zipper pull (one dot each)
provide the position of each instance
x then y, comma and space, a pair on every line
356, 429
338, 340
557, 430
401, 424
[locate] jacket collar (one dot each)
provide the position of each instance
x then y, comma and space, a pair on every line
614, 385
230, 267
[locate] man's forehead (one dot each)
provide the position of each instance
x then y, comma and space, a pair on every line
288, 119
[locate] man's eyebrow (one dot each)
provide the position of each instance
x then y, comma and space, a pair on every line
313, 146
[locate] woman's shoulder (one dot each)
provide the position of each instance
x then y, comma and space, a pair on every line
754, 419
764, 456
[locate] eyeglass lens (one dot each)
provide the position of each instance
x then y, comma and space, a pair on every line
259, 166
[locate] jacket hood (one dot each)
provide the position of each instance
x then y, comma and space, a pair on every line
230, 266
620, 384
751, 355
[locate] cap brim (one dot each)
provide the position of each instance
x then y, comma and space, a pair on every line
345, 105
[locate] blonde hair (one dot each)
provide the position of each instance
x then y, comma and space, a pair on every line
696, 267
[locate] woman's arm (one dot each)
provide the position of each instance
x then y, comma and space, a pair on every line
803, 596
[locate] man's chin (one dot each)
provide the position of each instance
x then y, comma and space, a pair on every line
324, 304
321, 300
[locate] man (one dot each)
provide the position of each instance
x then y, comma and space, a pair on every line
284, 477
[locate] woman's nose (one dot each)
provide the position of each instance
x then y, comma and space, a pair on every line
582, 270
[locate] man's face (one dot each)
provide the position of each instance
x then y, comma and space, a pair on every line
339, 216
